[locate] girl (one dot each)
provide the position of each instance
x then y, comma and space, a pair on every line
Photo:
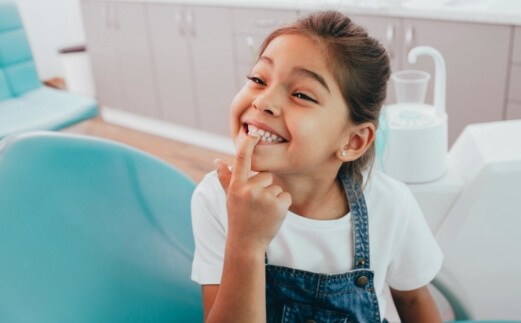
312, 236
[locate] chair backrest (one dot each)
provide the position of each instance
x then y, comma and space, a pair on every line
93, 231
485, 219
17, 70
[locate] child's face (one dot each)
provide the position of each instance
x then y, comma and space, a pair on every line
292, 94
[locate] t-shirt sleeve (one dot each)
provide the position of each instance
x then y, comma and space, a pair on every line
208, 224
417, 258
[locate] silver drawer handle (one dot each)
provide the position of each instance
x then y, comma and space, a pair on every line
251, 46
409, 35
190, 21
179, 22
390, 38
264, 22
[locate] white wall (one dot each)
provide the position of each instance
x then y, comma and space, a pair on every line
51, 25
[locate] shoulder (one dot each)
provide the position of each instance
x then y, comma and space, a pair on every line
383, 189
209, 196
391, 204
401, 239
209, 184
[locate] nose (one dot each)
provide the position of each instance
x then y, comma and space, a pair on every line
269, 101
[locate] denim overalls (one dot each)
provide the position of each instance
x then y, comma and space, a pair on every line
294, 295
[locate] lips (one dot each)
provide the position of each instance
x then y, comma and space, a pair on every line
267, 134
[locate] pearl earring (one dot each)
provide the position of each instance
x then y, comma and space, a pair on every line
343, 153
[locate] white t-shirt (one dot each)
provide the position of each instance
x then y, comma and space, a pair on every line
403, 251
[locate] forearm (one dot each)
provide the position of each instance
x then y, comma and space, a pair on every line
416, 306
242, 292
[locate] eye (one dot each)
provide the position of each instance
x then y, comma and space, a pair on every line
255, 79
304, 97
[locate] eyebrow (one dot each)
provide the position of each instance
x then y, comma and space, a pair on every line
312, 75
301, 71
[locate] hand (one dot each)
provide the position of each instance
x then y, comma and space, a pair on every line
256, 206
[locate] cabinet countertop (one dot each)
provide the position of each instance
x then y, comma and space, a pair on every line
505, 12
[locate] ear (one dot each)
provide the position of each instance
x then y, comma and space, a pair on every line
357, 140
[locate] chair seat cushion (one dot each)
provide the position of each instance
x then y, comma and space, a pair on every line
44, 109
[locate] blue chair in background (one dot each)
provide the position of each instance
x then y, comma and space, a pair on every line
25, 104
93, 231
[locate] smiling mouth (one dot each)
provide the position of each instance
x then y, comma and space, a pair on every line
264, 134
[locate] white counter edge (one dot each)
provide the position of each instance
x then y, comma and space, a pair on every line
502, 12
207, 140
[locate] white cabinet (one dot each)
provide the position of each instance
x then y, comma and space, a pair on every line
118, 46
99, 28
250, 28
212, 50
193, 55
171, 54
513, 110
388, 31
184, 63
476, 57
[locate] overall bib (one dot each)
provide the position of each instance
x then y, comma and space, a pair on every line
294, 295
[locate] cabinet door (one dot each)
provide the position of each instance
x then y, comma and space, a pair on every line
476, 57
173, 66
388, 32
133, 51
251, 26
97, 19
212, 52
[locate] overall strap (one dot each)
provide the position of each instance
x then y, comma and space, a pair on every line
360, 221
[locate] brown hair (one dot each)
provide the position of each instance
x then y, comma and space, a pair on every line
359, 64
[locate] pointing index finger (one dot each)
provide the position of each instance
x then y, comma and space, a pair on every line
242, 165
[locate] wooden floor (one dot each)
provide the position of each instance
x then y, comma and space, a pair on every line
193, 161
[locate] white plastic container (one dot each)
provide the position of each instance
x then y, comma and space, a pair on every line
417, 143
410, 86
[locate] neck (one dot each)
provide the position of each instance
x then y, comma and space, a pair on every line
321, 197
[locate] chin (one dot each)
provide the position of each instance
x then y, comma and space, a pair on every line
259, 167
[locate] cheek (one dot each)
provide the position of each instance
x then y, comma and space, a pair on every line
319, 132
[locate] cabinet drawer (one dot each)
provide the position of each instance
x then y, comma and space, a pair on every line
245, 53
513, 110
260, 22
514, 92
516, 54
241, 71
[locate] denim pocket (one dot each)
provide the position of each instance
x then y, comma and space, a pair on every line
292, 312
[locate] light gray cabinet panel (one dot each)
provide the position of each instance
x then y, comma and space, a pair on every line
173, 63
193, 55
250, 28
513, 111
105, 65
133, 52
260, 22
388, 32
514, 92
213, 59
516, 53
120, 53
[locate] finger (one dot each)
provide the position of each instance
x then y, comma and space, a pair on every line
224, 174
242, 165
262, 179
285, 199
274, 190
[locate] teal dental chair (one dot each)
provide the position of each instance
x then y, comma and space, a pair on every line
25, 104
93, 231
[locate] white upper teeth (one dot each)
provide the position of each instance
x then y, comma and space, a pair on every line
265, 135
